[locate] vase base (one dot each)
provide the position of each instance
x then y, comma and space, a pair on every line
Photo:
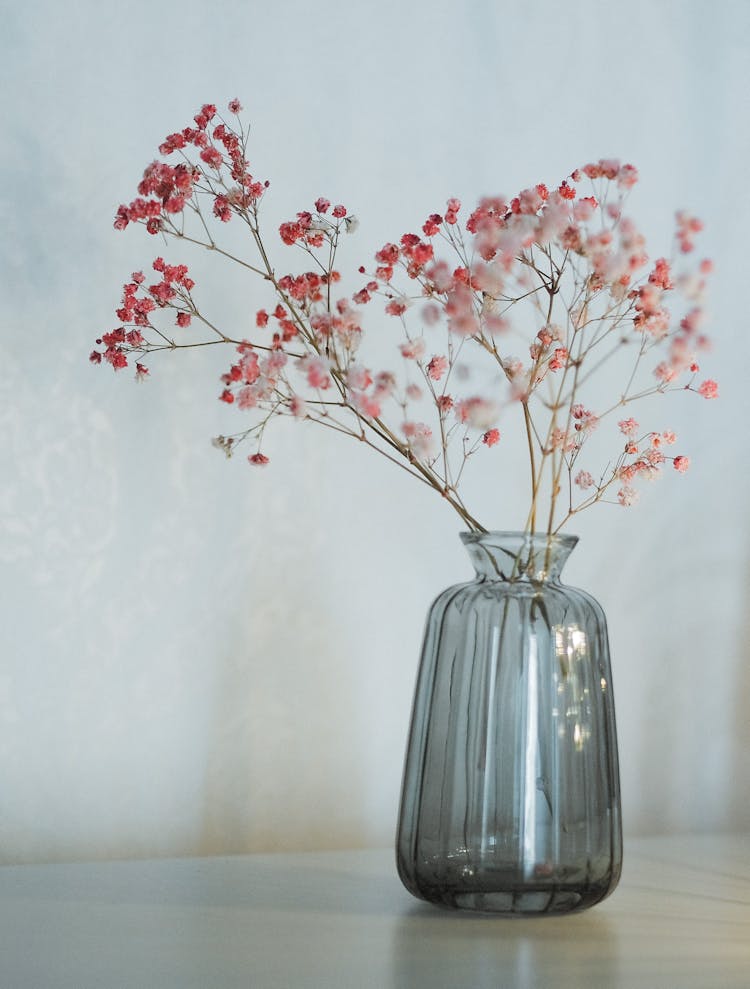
519, 902
527, 904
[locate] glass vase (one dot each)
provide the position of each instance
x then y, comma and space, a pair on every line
511, 799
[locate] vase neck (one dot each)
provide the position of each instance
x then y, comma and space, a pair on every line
516, 556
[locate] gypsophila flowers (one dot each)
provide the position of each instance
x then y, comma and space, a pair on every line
561, 266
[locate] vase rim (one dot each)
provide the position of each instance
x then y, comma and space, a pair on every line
563, 539
514, 556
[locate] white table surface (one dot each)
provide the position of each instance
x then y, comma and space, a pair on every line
680, 919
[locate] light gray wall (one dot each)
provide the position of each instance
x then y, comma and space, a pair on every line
201, 658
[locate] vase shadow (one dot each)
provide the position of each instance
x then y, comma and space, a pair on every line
503, 952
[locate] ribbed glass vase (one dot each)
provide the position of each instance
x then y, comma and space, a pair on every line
511, 796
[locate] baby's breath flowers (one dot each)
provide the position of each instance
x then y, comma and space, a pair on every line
511, 313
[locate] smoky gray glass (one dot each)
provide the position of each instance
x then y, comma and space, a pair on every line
511, 800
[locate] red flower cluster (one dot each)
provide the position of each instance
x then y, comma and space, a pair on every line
416, 252
314, 230
164, 190
173, 290
570, 267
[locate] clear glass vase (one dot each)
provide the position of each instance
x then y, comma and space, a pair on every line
511, 797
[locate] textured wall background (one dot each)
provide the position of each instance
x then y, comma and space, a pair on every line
201, 658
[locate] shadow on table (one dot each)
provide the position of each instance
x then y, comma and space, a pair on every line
450, 949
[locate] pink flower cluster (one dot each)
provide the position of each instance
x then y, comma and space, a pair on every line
641, 459
252, 380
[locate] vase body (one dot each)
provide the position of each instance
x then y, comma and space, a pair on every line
511, 800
